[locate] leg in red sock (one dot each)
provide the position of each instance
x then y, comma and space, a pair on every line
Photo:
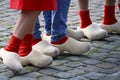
12, 46
72, 46
84, 13
85, 19
9, 54
26, 45
91, 30
109, 15
110, 24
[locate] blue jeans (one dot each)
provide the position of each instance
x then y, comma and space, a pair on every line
55, 21
37, 32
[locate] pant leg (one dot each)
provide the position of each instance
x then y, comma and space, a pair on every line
59, 19
37, 32
47, 18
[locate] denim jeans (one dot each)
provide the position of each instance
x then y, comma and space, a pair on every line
55, 21
37, 32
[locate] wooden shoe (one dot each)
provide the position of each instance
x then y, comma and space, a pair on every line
37, 59
74, 47
111, 28
11, 60
45, 48
94, 32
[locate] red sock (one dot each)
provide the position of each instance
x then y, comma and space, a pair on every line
63, 40
26, 45
48, 34
109, 15
85, 19
14, 44
35, 41
119, 6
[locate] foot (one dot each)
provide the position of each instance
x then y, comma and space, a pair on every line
11, 60
111, 28
45, 48
76, 34
94, 32
74, 47
37, 59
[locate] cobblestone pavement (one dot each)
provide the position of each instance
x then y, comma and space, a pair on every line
101, 63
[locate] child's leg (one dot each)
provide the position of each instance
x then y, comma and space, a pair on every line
48, 21
86, 24
24, 25
109, 12
40, 45
59, 35
27, 20
37, 32
59, 19
84, 13
110, 22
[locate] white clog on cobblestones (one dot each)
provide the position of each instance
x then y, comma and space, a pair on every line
45, 48
11, 60
74, 47
37, 59
112, 28
76, 34
46, 38
94, 32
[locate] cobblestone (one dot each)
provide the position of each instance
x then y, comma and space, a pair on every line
101, 63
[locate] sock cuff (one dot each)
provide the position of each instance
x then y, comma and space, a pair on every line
109, 15
48, 34
63, 40
108, 8
35, 41
84, 13
85, 19
28, 37
14, 44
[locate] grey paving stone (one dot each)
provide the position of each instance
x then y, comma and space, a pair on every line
58, 62
106, 65
100, 56
94, 75
79, 78
113, 60
32, 74
74, 64
23, 78
116, 56
76, 58
76, 71
61, 68
104, 50
47, 78
64, 75
7, 73
110, 78
116, 74
28, 69
3, 77
63, 79
3, 67
50, 72
91, 61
